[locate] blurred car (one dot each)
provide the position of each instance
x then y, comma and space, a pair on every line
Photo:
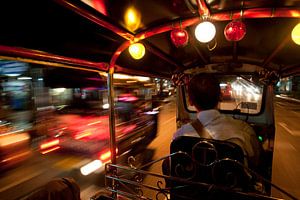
226, 91
87, 133
14, 145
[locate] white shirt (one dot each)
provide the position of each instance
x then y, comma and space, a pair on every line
222, 127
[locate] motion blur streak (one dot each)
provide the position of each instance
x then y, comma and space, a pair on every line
50, 150
49, 144
91, 167
105, 156
8, 139
20, 155
93, 123
82, 135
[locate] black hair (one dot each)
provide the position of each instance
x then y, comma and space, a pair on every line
204, 91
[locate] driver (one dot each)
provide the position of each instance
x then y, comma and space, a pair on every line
204, 93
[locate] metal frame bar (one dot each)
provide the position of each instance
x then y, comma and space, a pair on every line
43, 56
112, 174
96, 19
202, 10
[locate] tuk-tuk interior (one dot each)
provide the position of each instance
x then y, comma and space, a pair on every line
255, 44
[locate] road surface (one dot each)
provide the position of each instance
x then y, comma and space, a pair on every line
39, 169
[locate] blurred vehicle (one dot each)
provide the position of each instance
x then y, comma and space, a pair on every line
226, 91
125, 106
77, 120
88, 134
14, 145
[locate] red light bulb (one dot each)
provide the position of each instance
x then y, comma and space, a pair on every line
235, 31
179, 37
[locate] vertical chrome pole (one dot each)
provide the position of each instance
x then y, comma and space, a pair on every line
111, 101
112, 130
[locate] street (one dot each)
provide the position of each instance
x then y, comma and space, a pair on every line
18, 181
286, 160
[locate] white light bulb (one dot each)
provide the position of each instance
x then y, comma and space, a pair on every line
205, 32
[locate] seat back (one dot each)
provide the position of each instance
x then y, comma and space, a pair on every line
208, 161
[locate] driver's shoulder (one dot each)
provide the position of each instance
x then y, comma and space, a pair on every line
184, 130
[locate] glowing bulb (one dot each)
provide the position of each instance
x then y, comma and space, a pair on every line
235, 31
132, 19
137, 50
179, 37
296, 34
205, 32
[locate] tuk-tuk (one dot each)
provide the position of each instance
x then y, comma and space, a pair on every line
247, 45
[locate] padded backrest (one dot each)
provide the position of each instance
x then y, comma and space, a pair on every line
224, 149
207, 161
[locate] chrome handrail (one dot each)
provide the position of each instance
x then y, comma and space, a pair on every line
133, 187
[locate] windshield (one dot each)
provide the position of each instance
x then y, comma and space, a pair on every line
238, 93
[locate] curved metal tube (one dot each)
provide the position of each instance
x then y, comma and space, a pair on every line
202, 8
257, 13
43, 56
96, 19
111, 97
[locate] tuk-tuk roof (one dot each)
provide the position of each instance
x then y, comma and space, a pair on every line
89, 33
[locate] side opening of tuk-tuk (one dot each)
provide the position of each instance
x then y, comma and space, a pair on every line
63, 113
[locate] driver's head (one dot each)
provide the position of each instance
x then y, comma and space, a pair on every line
204, 91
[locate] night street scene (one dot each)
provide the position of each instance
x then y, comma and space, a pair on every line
156, 99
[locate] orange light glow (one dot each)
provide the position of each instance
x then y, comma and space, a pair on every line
106, 155
296, 34
295, 13
132, 19
49, 144
50, 150
10, 139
